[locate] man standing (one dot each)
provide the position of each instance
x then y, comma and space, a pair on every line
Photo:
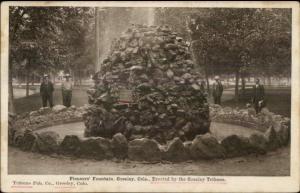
258, 96
46, 91
66, 88
217, 90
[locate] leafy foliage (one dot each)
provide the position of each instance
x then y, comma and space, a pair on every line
47, 39
253, 40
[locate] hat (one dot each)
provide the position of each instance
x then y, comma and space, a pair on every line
217, 77
46, 75
67, 75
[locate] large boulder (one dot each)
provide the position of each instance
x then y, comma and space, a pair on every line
282, 130
236, 146
46, 142
175, 151
258, 142
18, 138
206, 147
96, 148
144, 150
11, 128
58, 108
187, 146
273, 141
70, 145
284, 134
119, 146
11, 134
28, 140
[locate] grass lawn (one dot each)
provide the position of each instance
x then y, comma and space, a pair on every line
278, 100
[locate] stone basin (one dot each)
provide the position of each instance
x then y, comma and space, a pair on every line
219, 130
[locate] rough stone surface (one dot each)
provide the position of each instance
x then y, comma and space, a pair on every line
34, 113
18, 138
135, 126
58, 108
47, 118
28, 140
11, 128
282, 129
119, 146
157, 73
44, 110
206, 147
46, 142
11, 134
144, 150
176, 151
70, 145
236, 146
273, 141
96, 148
258, 142
284, 135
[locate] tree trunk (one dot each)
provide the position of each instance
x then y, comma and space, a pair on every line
11, 105
237, 77
79, 76
27, 83
32, 79
74, 78
205, 65
243, 85
207, 81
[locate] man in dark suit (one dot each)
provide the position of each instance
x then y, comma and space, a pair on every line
258, 98
46, 91
217, 90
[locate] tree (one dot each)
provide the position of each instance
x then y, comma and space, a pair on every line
48, 39
32, 33
239, 41
76, 46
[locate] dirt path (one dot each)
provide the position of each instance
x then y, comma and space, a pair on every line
272, 164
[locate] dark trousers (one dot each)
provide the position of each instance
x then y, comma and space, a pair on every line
67, 97
257, 107
47, 98
217, 100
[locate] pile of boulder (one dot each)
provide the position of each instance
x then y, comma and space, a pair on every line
248, 118
276, 134
165, 98
45, 117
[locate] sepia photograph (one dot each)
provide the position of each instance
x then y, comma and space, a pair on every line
155, 91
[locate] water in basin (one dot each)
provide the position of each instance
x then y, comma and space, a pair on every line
219, 130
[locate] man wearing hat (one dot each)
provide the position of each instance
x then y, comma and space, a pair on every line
46, 91
66, 88
217, 90
258, 98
